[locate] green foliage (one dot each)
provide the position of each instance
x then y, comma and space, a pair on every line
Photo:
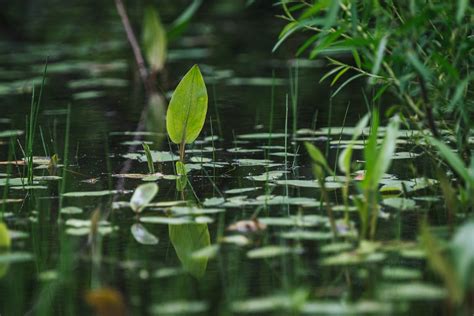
182, 180
463, 255
378, 159
149, 159
154, 39
187, 109
182, 21
415, 50
5, 240
187, 239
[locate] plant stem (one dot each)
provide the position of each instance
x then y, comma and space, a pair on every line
146, 77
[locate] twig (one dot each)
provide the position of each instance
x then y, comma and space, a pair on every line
144, 73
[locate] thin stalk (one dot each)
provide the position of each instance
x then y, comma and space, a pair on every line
286, 152
219, 126
65, 157
143, 71
294, 94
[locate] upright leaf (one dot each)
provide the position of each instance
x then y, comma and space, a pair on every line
154, 39
187, 109
384, 155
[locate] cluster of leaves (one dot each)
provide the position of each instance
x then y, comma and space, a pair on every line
420, 51
377, 161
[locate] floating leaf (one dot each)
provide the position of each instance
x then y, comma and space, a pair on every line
402, 204
179, 308
187, 109
307, 235
10, 133
238, 240
256, 162
92, 193
262, 136
142, 196
411, 291
241, 190
401, 273
362, 307
142, 235
157, 156
270, 252
303, 221
10, 257
268, 176
71, 210
166, 220
184, 210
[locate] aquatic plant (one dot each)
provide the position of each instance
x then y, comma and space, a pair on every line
187, 110
149, 159
31, 126
408, 49
377, 161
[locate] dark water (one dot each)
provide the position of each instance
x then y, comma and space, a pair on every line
232, 46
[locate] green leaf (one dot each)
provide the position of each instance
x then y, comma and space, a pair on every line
187, 109
5, 240
383, 159
463, 252
440, 264
379, 55
143, 196
186, 240
317, 156
181, 23
462, 6
154, 39
182, 179
149, 159
419, 66
453, 160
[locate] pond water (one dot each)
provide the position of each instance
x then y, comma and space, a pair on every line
243, 166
